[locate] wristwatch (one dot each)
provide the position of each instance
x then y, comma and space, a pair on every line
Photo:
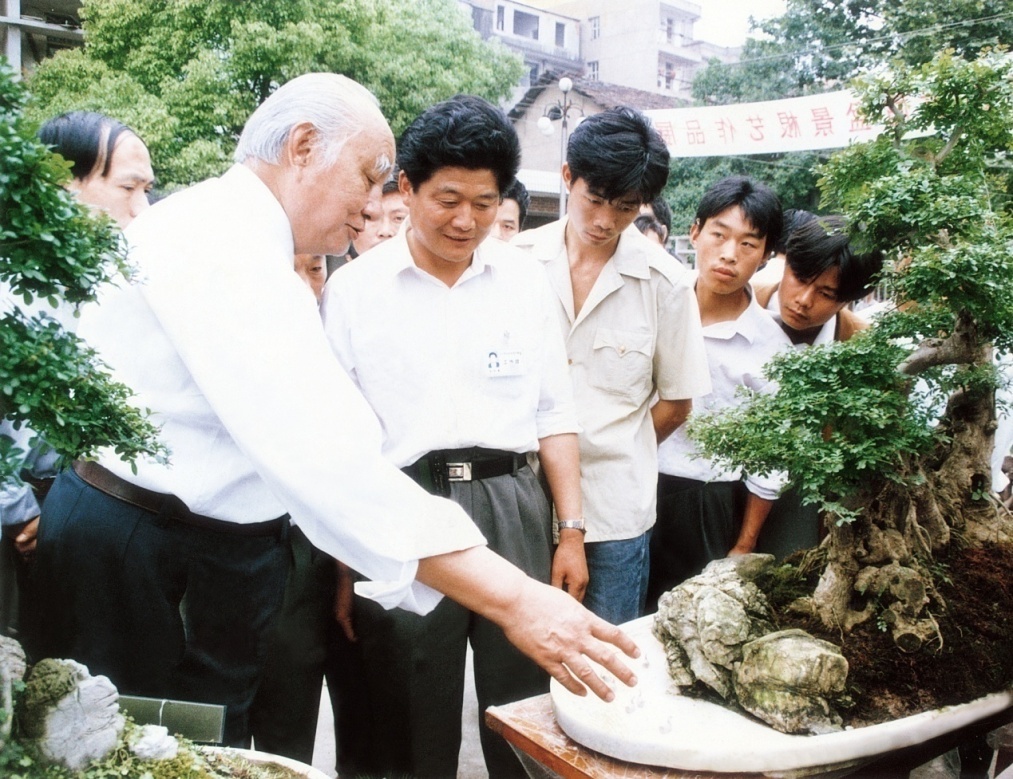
572, 524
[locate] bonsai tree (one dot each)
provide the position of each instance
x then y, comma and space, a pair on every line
52, 248
892, 430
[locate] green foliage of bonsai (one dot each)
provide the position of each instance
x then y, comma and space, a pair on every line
841, 416
53, 248
892, 430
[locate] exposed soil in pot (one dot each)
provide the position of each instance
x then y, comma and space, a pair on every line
973, 658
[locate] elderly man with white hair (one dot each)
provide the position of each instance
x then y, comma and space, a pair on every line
165, 575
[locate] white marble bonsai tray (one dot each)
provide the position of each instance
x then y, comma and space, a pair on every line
650, 724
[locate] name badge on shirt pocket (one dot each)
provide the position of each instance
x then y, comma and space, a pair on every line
503, 363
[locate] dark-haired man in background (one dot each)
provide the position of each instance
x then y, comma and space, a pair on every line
707, 511
512, 212
822, 275
453, 342
632, 330
662, 212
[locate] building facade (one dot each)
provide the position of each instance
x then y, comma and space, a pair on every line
31, 30
548, 41
647, 45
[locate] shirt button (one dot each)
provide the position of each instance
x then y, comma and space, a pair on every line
569, 362
622, 350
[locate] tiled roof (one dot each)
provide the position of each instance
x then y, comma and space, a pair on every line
609, 95
605, 95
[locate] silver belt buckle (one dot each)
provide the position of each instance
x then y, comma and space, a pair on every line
458, 471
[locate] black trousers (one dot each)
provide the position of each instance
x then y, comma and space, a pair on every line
697, 522
305, 646
161, 608
415, 665
790, 526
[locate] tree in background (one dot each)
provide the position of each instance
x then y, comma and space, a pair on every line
905, 479
52, 248
819, 46
186, 74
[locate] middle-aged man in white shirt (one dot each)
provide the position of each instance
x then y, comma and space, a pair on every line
165, 576
453, 342
632, 331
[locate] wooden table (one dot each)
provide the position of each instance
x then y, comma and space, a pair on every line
546, 752
531, 729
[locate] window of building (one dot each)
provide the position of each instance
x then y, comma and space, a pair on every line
500, 18
560, 34
525, 25
669, 29
595, 22
592, 70
667, 74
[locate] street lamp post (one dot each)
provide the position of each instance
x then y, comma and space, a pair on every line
560, 110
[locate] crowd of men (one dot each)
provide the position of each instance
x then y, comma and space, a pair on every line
464, 408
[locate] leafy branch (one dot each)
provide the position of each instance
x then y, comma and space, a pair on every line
53, 248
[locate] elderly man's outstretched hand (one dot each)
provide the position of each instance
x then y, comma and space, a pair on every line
545, 623
560, 635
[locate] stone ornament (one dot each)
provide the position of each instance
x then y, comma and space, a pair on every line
720, 640
74, 716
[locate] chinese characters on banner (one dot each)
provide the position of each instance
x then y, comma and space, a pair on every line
827, 121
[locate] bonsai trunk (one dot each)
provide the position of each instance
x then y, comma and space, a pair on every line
880, 566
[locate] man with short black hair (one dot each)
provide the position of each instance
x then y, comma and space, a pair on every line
632, 330
822, 275
386, 224
453, 342
706, 511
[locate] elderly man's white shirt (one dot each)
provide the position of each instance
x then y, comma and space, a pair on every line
223, 342
637, 334
737, 350
480, 363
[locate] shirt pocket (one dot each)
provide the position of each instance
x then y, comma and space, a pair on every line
622, 362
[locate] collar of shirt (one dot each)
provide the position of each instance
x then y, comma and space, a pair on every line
260, 203
752, 322
631, 257
483, 257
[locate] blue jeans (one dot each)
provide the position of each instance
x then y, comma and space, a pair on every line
617, 583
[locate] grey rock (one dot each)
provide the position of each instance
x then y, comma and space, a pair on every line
12, 669
74, 716
705, 621
12, 659
153, 742
719, 636
790, 679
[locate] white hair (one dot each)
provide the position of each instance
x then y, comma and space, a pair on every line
335, 105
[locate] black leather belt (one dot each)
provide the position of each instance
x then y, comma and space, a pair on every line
164, 504
435, 470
